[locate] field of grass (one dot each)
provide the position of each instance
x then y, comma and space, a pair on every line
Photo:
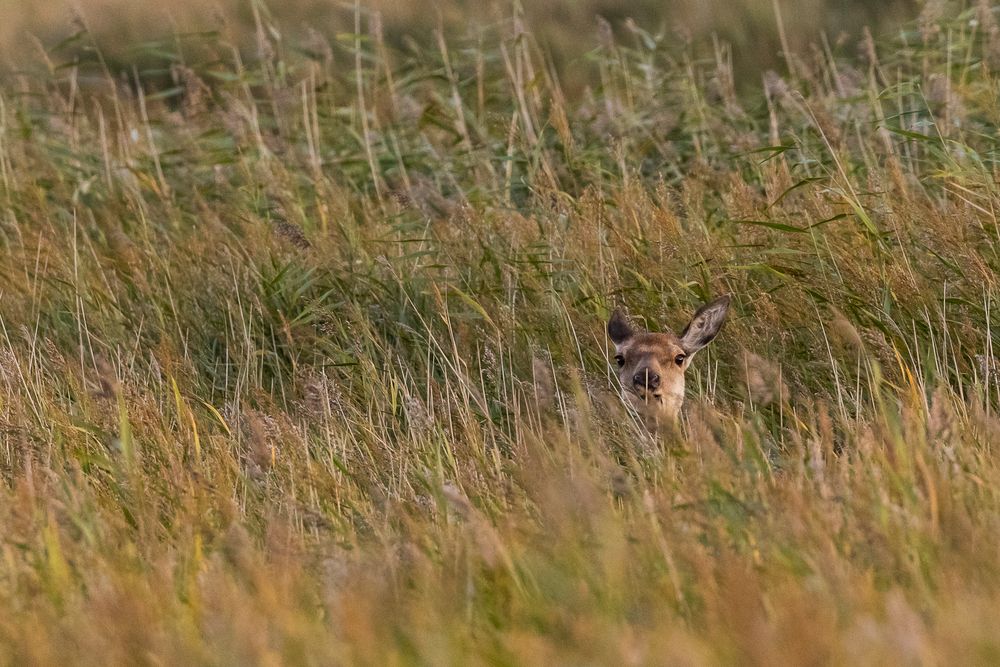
302, 349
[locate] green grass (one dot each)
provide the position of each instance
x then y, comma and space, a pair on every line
303, 359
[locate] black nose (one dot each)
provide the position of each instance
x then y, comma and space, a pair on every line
646, 379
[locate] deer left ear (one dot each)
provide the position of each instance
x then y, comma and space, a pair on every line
619, 328
705, 325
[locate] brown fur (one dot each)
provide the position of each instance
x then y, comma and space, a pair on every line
651, 365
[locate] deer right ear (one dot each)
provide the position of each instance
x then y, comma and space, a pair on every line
705, 325
619, 329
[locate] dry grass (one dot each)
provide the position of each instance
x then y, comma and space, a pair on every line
302, 356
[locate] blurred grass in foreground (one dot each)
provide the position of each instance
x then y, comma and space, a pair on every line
304, 363
757, 31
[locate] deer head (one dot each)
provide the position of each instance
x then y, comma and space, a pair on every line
651, 365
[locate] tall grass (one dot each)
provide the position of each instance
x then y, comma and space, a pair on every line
302, 353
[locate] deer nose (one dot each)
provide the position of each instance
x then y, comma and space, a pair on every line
646, 379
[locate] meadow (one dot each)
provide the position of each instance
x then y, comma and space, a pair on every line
303, 356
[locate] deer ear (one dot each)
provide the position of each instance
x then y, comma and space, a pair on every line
705, 325
619, 328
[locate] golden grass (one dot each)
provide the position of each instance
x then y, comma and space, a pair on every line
302, 357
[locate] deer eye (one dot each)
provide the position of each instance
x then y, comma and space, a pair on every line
620, 359
679, 359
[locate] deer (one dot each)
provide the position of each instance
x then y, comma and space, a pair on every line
651, 365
